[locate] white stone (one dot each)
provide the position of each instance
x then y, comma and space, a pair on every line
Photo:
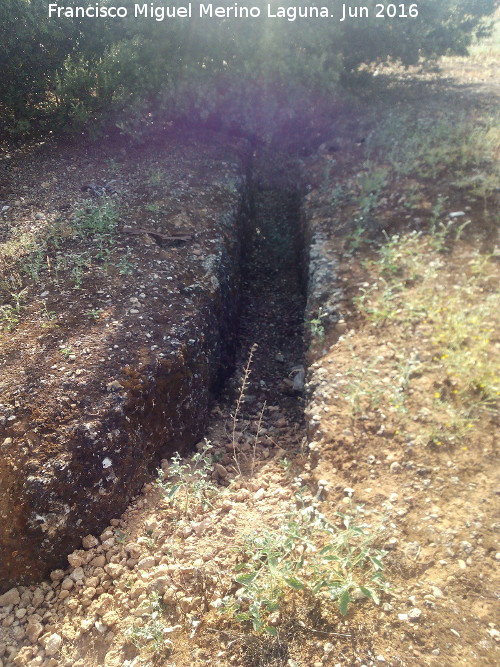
414, 614
38, 597
258, 495
114, 570
100, 627
52, 644
146, 563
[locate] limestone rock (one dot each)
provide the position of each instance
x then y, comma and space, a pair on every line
33, 630
52, 644
10, 597
89, 541
103, 604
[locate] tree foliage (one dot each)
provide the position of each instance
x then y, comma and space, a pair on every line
244, 74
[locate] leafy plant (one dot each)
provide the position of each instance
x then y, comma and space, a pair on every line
120, 535
188, 485
316, 326
150, 636
371, 184
308, 554
97, 220
10, 313
9, 317
124, 265
285, 464
80, 262
33, 262
49, 316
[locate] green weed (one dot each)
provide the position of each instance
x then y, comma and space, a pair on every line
358, 237
10, 313
307, 555
120, 535
316, 326
371, 185
124, 264
49, 316
97, 221
9, 318
188, 486
150, 636
156, 177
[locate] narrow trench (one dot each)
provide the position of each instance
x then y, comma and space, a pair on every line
270, 336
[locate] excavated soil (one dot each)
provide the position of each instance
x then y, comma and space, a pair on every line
116, 330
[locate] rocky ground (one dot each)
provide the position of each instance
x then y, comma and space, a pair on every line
383, 443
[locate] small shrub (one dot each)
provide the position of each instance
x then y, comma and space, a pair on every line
188, 485
97, 221
316, 326
307, 555
150, 636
